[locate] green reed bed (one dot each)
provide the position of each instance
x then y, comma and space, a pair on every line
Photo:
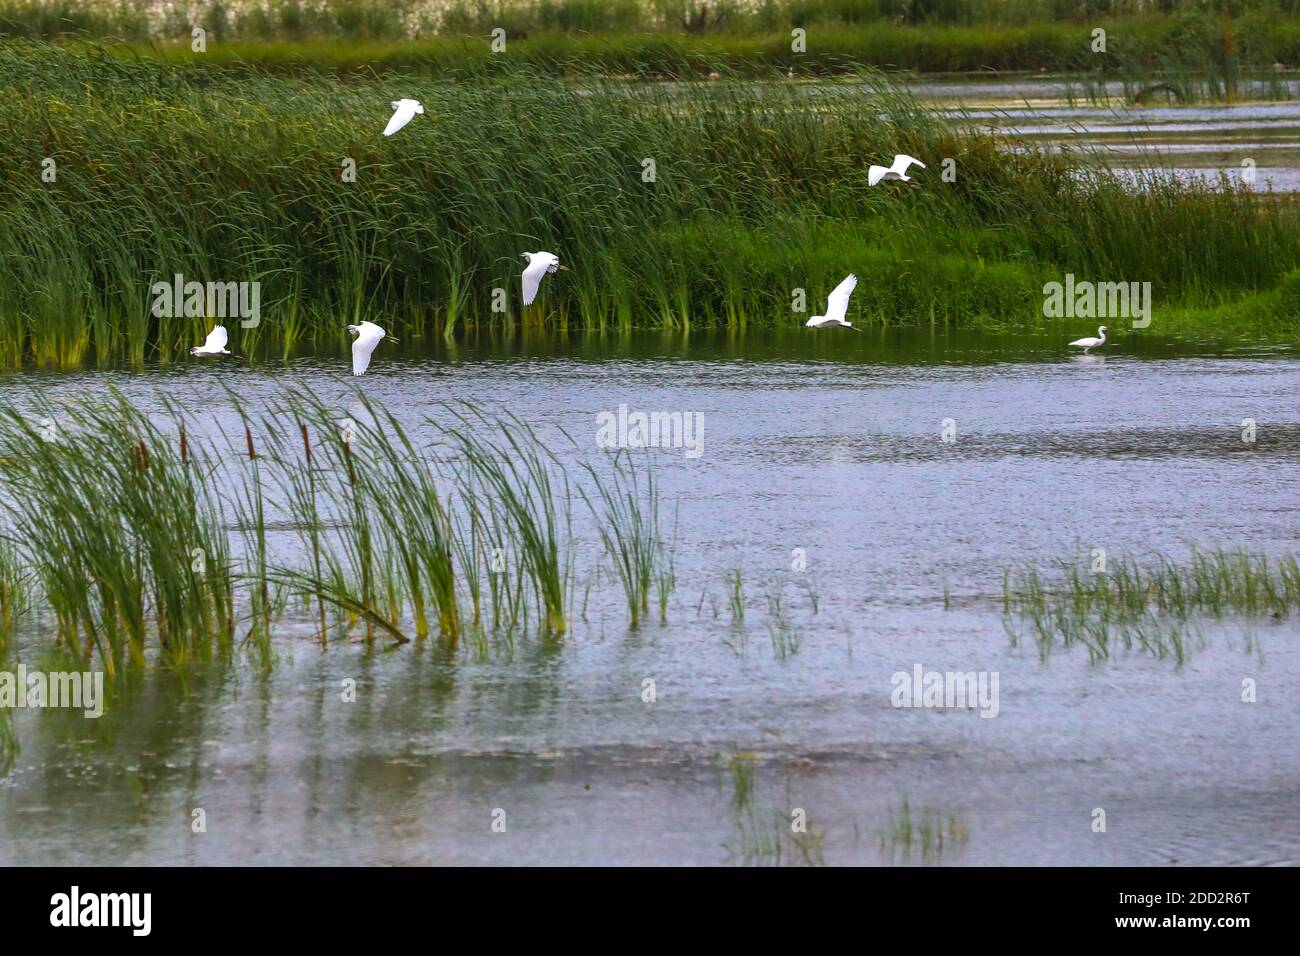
758, 190
1194, 58
356, 20
140, 535
1153, 606
668, 37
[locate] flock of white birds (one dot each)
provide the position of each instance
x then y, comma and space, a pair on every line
540, 264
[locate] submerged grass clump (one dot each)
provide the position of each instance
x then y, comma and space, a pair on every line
757, 189
1156, 608
929, 832
768, 835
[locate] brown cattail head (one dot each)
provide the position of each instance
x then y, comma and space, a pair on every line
185, 448
306, 441
248, 437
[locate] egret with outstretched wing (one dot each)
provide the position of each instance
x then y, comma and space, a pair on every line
539, 264
368, 336
214, 344
403, 112
837, 305
896, 171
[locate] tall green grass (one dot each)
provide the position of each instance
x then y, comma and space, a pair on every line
913, 34
121, 525
1199, 53
759, 190
145, 537
627, 517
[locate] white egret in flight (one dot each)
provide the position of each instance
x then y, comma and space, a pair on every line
1090, 342
837, 304
896, 171
368, 336
403, 112
539, 264
214, 344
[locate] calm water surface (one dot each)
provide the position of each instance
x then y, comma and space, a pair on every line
1204, 140
829, 443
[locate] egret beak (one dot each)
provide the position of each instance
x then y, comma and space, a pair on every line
391, 339
565, 268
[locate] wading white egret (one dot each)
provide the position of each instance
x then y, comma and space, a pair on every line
214, 344
539, 264
837, 304
1090, 342
897, 171
368, 336
403, 112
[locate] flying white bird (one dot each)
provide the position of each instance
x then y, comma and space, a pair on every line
896, 171
404, 112
837, 304
1090, 342
539, 264
368, 336
214, 344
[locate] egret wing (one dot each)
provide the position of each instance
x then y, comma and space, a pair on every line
366, 342
403, 111
532, 277
217, 339
902, 161
837, 303
875, 174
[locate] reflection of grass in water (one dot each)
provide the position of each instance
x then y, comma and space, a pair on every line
8, 742
15, 592
1156, 608
766, 835
930, 833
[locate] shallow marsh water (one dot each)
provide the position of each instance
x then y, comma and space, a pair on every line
1199, 140
829, 443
